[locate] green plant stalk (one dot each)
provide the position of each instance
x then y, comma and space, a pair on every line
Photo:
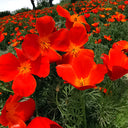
84, 111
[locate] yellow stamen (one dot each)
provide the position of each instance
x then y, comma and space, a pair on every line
24, 67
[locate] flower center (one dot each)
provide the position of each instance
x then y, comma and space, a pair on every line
73, 50
44, 44
24, 67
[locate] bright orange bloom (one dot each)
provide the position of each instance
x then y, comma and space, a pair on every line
83, 73
97, 30
34, 45
71, 20
116, 62
102, 16
20, 70
95, 24
108, 37
15, 113
43, 122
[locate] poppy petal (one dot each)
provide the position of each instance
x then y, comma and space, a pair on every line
69, 24
82, 65
24, 85
45, 25
63, 12
78, 35
20, 55
66, 72
8, 67
97, 73
25, 109
53, 56
60, 42
43, 122
30, 46
18, 123
41, 66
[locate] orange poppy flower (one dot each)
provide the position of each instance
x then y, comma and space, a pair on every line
71, 20
116, 62
102, 16
83, 73
34, 45
108, 37
97, 30
43, 122
20, 70
95, 24
15, 113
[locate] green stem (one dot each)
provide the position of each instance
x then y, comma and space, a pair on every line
84, 111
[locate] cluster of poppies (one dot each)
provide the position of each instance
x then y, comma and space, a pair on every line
75, 65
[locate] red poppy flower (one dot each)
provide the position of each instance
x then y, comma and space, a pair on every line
1, 37
15, 113
83, 73
71, 20
76, 37
43, 122
116, 62
34, 45
123, 44
20, 70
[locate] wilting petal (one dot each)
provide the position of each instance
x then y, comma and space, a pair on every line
30, 46
45, 25
24, 85
41, 66
8, 67
62, 12
78, 36
66, 72
43, 122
